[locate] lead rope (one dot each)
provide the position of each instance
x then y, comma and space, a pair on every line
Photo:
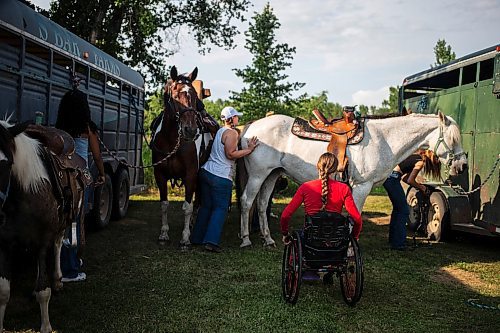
170, 154
459, 190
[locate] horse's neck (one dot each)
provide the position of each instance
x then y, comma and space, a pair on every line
405, 134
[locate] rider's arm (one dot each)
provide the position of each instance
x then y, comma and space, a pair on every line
353, 211
286, 216
410, 178
230, 141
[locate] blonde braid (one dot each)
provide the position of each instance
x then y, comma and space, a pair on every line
327, 164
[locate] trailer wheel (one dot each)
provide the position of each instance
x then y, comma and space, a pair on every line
121, 192
438, 227
415, 211
103, 201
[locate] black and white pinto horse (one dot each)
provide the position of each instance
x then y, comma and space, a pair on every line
177, 143
29, 216
386, 143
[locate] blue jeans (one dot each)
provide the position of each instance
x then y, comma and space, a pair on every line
70, 263
400, 211
215, 195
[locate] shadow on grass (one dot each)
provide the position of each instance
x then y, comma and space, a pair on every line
135, 285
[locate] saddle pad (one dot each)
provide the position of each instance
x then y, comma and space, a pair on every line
303, 129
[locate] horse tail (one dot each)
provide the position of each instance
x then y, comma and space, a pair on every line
241, 170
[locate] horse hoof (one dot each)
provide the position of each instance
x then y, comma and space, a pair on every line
245, 243
58, 286
270, 243
163, 242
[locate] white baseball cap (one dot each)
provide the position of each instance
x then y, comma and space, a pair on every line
229, 112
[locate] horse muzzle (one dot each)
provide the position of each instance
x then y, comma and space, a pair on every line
189, 133
458, 165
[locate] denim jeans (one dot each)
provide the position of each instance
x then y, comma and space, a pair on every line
215, 196
400, 211
70, 263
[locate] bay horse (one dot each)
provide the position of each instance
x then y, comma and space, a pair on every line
386, 143
30, 215
177, 148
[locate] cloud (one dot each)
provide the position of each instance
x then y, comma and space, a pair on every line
370, 97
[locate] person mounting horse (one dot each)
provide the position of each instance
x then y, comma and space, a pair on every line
177, 147
172, 88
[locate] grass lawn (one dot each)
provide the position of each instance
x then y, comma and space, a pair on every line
134, 285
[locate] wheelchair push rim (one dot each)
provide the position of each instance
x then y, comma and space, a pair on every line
352, 277
291, 272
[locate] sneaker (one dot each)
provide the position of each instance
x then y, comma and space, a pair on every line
80, 277
212, 248
274, 216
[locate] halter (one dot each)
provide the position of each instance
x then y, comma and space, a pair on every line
450, 155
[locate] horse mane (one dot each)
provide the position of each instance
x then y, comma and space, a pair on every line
383, 116
28, 168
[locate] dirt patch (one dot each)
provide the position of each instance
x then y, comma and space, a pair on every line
456, 277
382, 220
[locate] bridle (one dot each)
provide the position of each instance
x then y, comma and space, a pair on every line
450, 154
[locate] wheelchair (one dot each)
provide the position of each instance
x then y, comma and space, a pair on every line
325, 246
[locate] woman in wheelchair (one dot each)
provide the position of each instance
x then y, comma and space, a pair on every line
323, 194
325, 245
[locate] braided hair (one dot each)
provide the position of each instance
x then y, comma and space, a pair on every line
327, 164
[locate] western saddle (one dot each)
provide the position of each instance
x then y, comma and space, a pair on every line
341, 130
67, 171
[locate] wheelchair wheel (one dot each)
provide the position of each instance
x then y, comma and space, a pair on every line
352, 279
291, 271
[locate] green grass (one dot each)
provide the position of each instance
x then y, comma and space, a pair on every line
134, 285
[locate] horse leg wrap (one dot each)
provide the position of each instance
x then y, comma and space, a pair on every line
188, 212
164, 222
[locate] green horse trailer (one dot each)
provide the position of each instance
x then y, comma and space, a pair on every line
37, 59
468, 89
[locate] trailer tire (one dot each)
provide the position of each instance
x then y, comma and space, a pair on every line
103, 201
438, 227
121, 192
414, 207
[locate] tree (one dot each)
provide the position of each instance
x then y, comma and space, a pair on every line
390, 105
264, 78
142, 33
443, 53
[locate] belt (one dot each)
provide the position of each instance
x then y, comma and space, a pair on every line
396, 175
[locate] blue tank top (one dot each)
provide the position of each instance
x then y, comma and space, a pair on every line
218, 163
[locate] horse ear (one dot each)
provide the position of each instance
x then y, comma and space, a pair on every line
17, 129
443, 118
192, 76
173, 73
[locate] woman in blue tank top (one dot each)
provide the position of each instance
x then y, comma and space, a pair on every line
407, 171
216, 181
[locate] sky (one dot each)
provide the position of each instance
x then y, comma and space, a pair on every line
354, 50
